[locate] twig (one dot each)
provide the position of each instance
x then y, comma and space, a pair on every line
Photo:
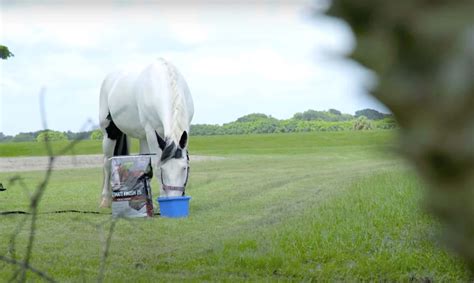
23, 265
35, 199
38, 194
105, 254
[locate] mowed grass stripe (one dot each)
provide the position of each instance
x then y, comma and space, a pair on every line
371, 232
336, 213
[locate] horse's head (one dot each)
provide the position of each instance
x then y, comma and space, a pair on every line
174, 166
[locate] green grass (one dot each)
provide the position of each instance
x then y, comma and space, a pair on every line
345, 210
14, 149
224, 145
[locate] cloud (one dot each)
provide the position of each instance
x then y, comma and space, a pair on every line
185, 27
60, 25
242, 64
236, 60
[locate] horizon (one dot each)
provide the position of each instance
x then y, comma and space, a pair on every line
221, 124
254, 58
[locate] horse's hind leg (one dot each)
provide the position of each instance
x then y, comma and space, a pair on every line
144, 147
108, 146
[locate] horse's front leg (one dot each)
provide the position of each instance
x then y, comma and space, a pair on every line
154, 148
108, 146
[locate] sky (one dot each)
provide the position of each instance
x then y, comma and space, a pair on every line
275, 57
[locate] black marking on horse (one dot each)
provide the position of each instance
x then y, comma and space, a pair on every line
114, 133
172, 151
168, 152
183, 140
161, 142
178, 153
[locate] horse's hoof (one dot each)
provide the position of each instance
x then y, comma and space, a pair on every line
105, 203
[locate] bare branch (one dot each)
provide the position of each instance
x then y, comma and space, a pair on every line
27, 267
35, 198
38, 194
106, 248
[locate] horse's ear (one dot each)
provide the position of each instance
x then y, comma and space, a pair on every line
161, 142
183, 140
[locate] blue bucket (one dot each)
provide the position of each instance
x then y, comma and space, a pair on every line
174, 207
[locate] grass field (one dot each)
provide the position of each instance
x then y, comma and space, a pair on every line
223, 145
295, 207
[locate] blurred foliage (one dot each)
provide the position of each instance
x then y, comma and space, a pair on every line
423, 52
5, 52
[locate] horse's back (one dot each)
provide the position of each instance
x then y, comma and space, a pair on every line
164, 98
137, 100
119, 96
105, 89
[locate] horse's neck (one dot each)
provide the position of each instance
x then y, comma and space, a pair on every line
177, 120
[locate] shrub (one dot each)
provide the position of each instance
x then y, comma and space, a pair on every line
97, 135
51, 136
362, 123
386, 123
24, 137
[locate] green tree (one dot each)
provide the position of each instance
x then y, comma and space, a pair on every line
321, 121
252, 117
23, 137
287, 126
5, 138
309, 115
331, 115
78, 136
50, 135
362, 123
5, 52
386, 123
371, 114
204, 129
97, 135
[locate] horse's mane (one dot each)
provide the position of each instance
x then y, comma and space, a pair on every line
179, 118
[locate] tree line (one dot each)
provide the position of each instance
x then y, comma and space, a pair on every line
308, 121
256, 123
51, 135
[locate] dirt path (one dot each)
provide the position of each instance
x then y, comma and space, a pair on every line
17, 164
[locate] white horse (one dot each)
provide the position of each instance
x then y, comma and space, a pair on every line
155, 107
